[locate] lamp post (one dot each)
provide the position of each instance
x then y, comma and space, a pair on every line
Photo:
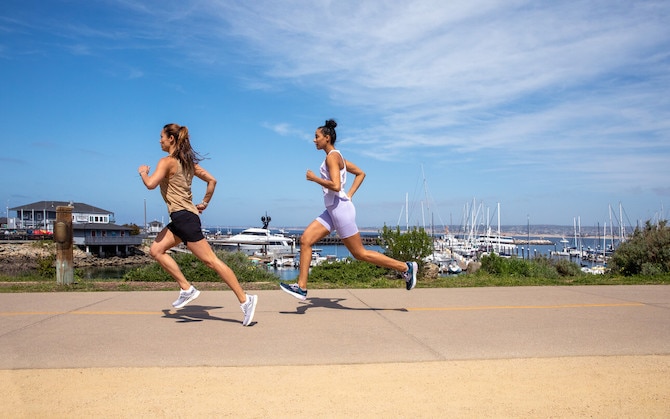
7, 209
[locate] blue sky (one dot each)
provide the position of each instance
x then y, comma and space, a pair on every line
555, 110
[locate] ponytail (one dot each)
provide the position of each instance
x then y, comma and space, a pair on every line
183, 152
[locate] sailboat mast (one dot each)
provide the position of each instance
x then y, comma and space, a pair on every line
604, 240
622, 234
579, 234
406, 211
423, 217
499, 228
611, 228
425, 196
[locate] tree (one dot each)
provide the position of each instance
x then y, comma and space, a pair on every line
413, 245
647, 252
135, 229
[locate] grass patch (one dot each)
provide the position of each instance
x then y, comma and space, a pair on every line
496, 272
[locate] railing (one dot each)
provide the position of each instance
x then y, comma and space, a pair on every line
107, 240
336, 240
24, 237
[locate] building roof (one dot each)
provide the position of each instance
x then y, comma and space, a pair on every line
78, 207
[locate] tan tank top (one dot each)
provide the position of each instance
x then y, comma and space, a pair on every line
176, 191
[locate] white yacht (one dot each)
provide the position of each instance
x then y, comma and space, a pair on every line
502, 245
255, 241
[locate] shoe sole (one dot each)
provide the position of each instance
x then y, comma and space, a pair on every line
253, 311
195, 295
298, 296
412, 282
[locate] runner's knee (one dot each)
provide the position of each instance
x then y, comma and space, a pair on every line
307, 241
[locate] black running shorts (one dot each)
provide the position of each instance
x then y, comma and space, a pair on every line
186, 226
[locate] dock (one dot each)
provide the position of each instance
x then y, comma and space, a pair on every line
536, 242
336, 240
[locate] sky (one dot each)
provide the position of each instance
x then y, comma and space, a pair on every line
550, 111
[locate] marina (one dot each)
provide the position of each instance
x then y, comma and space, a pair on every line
451, 255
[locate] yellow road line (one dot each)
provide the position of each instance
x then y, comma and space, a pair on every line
523, 307
56, 313
118, 313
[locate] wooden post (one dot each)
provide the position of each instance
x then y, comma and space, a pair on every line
64, 250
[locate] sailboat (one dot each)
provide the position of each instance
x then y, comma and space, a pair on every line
565, 250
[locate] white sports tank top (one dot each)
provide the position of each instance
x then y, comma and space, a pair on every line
330, 196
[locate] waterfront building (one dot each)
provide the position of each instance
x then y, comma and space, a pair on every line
155, 227
94, 229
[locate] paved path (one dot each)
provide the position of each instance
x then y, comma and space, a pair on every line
314, 355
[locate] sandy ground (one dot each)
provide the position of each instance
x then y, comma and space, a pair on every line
601, 387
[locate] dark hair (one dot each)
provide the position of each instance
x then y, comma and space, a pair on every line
329, 130
183, 152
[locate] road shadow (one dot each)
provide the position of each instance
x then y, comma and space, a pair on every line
333, 304
196, 313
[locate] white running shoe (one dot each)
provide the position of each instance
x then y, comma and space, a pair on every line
249, 308
186, 297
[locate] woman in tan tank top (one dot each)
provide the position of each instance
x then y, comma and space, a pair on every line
174, 174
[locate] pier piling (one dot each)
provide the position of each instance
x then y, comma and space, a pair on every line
64, 248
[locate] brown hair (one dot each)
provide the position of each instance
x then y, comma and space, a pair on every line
183, 152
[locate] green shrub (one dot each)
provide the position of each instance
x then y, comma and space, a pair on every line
346, 272
646, 252
566, 268
651, 269
46, 266
195, 270
540, 267
412, 245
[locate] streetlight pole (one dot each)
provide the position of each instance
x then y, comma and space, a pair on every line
7, 207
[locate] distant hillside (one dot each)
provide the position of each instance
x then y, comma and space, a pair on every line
540, 230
